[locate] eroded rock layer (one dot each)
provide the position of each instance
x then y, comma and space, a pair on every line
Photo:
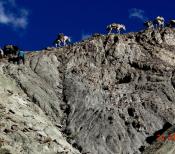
105, 95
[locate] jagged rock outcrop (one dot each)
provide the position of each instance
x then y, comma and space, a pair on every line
165, 143
105, 95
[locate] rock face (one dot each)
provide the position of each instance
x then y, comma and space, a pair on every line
165, 143
106, 95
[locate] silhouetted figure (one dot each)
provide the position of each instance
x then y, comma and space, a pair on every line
115, 26
62, 39
171, 23
159, 22
20, 57
149, 24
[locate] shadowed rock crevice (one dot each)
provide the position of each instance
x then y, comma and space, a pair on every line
126, 79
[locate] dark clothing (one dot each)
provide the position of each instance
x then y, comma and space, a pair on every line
19, 59
10, 49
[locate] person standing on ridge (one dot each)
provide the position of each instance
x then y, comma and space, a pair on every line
20, 57
62, 39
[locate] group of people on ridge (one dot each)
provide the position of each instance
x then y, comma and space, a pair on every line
158, 22
16, 55
13, 53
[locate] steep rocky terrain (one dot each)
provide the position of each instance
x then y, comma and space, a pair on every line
106, 95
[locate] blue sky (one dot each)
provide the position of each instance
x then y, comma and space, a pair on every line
34, 24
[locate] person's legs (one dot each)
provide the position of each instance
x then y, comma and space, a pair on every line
23, 60
18, 60
64, 43
59, 43
110, 30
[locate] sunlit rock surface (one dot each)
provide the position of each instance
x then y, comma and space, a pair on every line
105, 95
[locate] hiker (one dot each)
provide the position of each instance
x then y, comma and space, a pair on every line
1, 53
10, 50
171, 23
149, 24
115, 26
62, 39
159, 22
20, 57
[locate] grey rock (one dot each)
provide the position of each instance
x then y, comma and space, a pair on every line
104, 95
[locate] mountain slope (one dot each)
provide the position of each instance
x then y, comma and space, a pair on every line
105, 95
